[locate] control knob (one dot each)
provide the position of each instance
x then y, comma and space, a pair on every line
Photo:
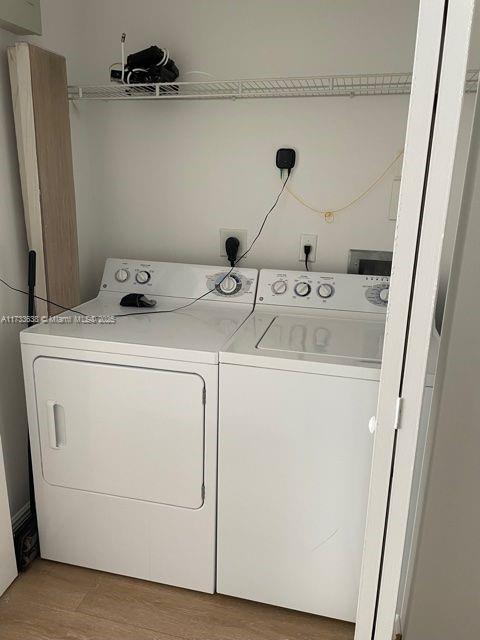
302, 289
122, 275
142, 277
378, 294
279, 287
325, 290
229, 285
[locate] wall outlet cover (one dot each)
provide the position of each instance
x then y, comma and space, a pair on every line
311, 239
241, 234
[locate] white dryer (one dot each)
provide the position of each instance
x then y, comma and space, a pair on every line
298, 386
123, 421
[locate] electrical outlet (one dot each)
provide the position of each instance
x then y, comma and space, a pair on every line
241, 234
394, 197
310, 239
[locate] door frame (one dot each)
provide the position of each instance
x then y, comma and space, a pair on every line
422, 314
432, 130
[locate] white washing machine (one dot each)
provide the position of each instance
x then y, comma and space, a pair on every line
123, 422
298, 386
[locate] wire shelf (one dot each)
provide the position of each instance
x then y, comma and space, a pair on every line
376, 84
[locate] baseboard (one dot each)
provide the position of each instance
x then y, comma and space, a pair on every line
20, 517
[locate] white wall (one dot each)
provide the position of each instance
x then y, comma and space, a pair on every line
13, 268
158, 180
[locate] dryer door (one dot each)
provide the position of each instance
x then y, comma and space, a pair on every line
124, 431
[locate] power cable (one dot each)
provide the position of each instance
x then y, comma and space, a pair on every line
184, 306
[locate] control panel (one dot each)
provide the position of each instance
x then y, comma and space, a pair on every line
336, 291
179, 280
230, 283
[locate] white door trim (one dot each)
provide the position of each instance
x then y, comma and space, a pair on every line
447, 122
412, 190
8, 565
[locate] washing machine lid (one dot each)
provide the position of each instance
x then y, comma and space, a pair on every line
206, 315
344, 344
330, 342
351, 338
194, 334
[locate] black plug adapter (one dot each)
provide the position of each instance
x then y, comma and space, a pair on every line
286, 159
307, 250
232, 245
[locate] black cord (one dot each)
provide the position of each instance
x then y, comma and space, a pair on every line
43, 299
307, 249
184, 306
119, 315
264, 221
189, 304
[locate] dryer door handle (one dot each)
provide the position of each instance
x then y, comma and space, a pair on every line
57, 434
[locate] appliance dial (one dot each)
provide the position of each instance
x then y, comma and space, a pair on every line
325, 290
122, 275
378, 294
142, 277
279, 287
229, 285
302, 289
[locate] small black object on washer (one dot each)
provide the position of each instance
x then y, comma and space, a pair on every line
137, 300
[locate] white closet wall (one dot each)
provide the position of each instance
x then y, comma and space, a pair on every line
13, 268
159, 180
